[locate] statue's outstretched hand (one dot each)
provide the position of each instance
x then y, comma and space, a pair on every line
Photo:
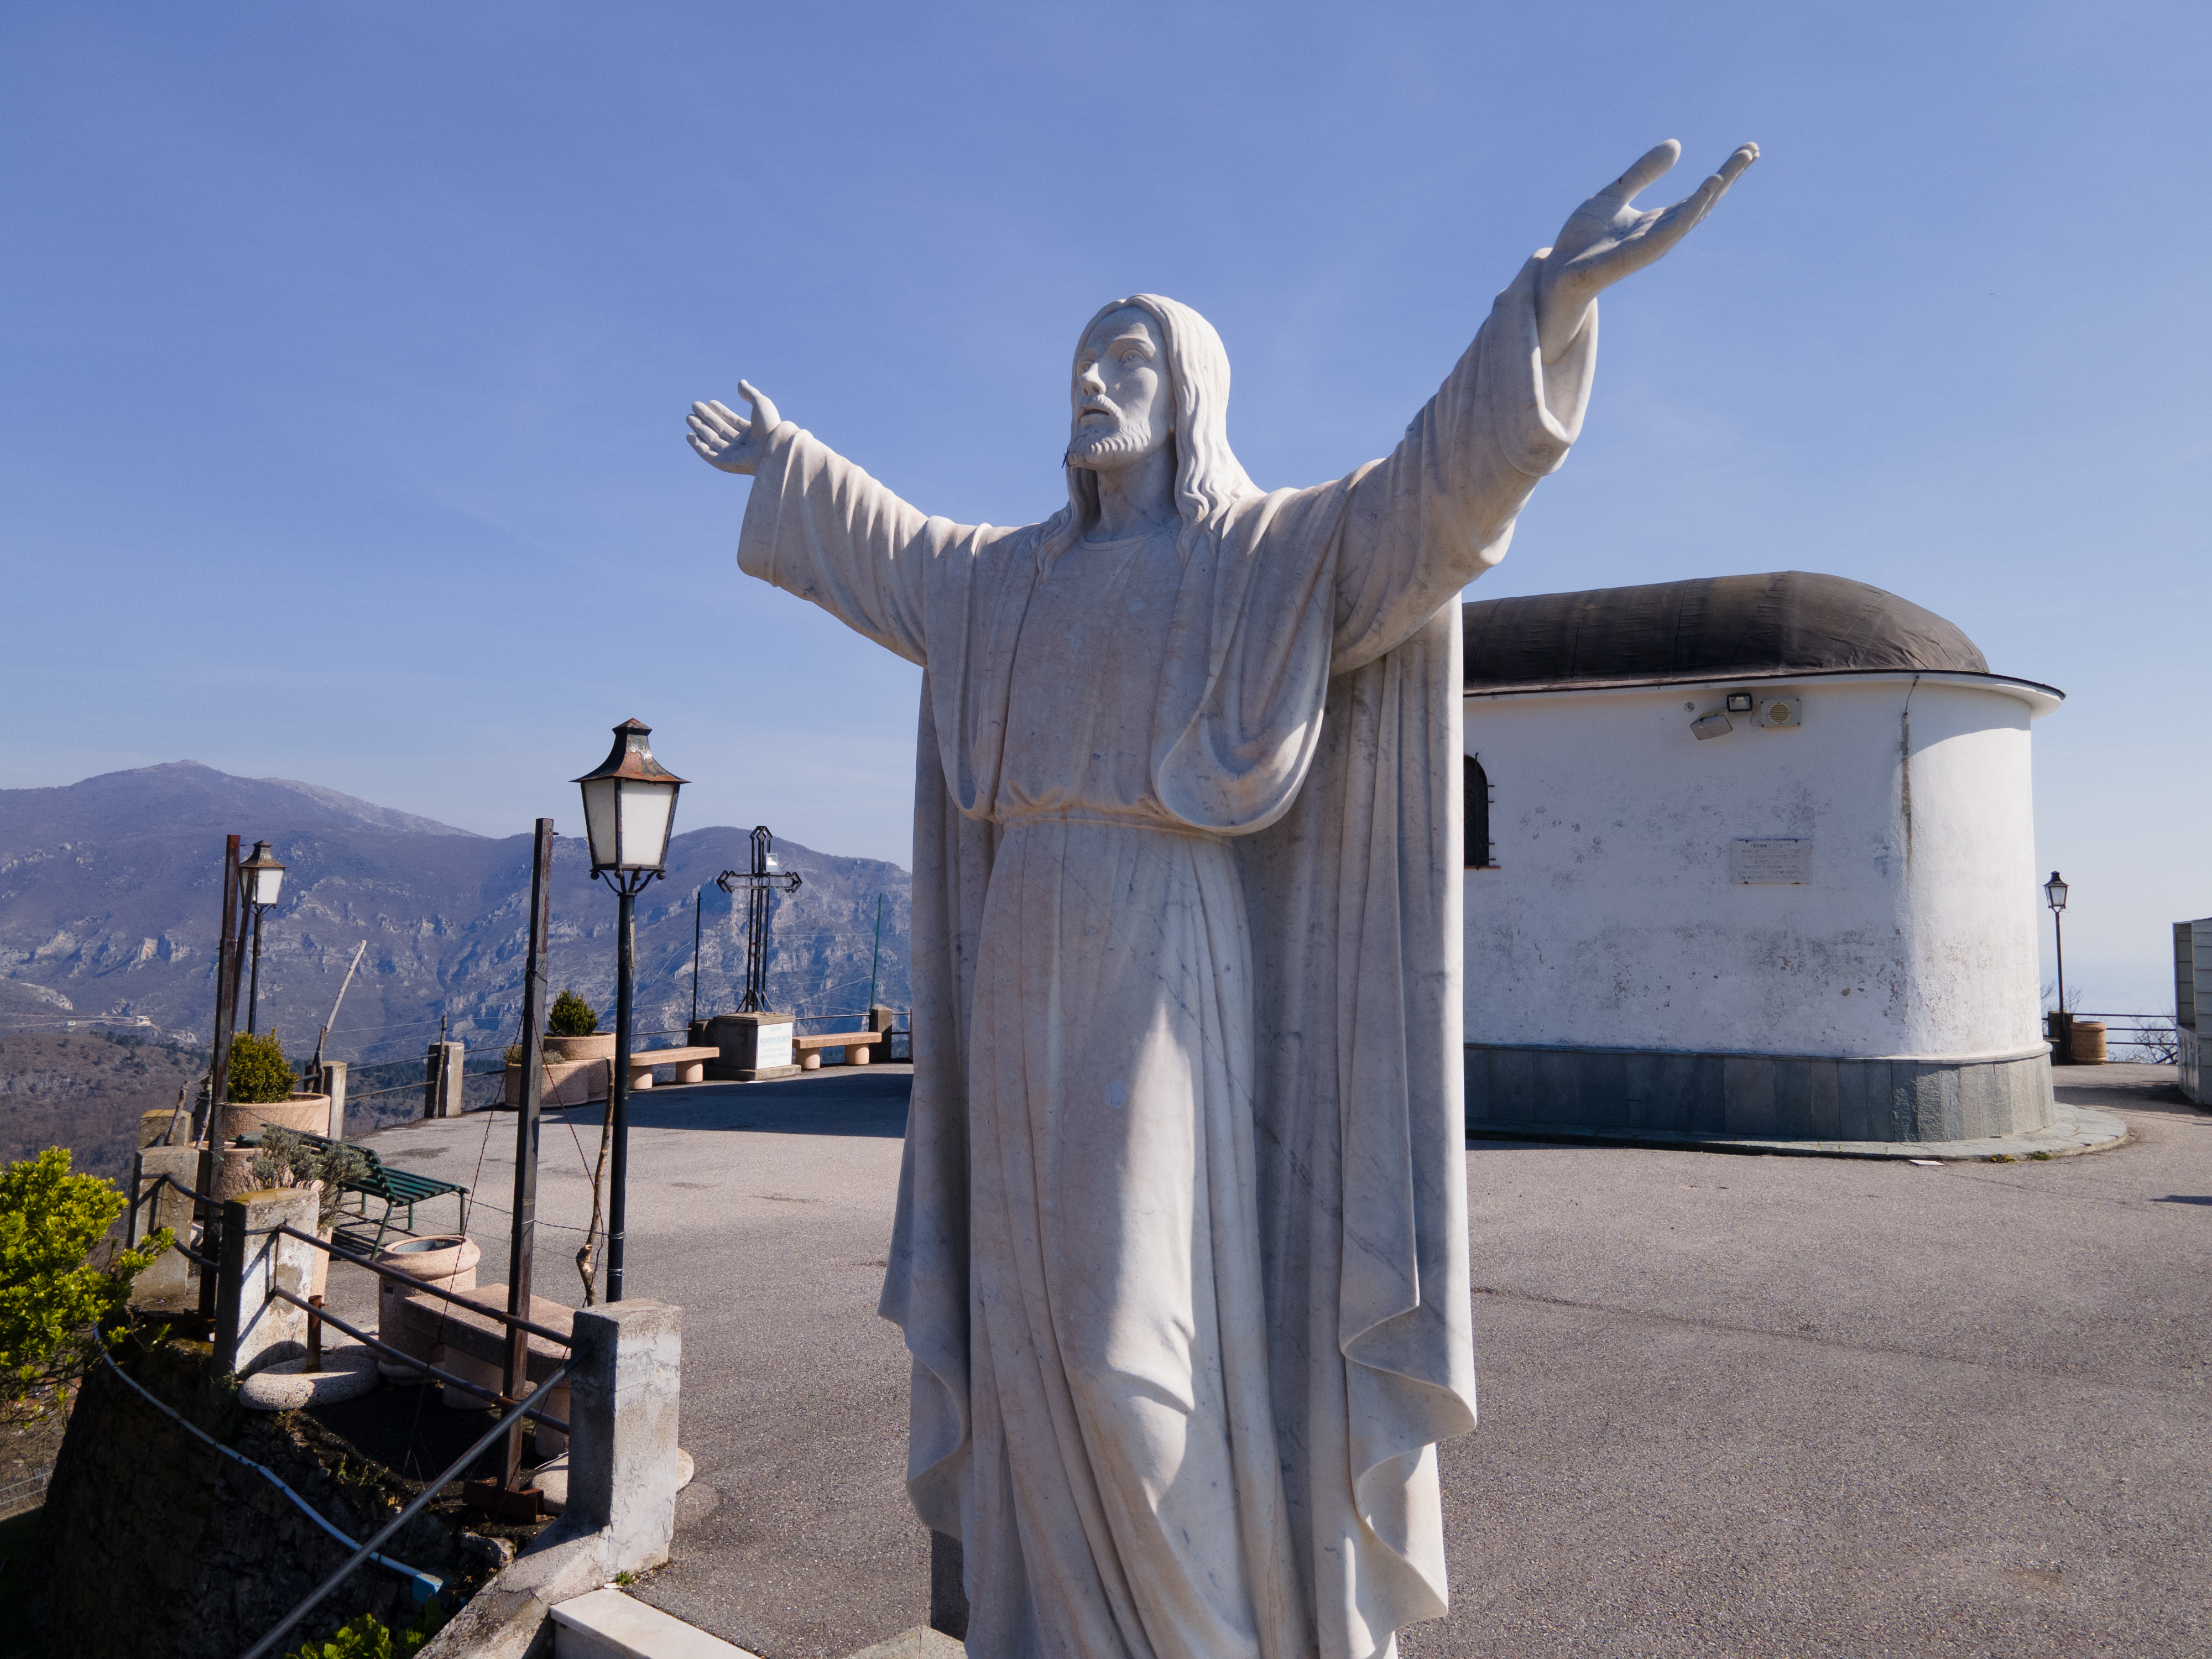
1605, 239
725, 440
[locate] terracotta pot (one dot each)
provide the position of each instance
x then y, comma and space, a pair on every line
598, 1046
449, 1262
305, 1114
2086, 1042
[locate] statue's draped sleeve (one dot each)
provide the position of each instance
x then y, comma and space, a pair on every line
1439, 511
818, 526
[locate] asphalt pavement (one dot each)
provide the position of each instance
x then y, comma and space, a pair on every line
1731, 1404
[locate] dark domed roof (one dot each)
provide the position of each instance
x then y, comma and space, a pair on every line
1785, 624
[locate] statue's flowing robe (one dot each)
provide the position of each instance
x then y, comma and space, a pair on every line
1181, 1247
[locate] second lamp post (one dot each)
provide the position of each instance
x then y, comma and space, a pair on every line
630, 808
260, 879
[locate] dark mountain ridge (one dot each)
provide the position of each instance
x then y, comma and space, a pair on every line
110, 890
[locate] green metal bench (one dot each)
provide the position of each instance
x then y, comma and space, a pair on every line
395, 1190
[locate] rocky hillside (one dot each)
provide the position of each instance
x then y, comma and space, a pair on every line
110, 888
87, 1091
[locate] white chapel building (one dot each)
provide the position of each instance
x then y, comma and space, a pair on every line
1753, 856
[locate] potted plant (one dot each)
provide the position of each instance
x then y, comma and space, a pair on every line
286, 1158
264, 1093
571, 1030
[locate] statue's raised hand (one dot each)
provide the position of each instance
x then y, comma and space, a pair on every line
725, 439
1605, 239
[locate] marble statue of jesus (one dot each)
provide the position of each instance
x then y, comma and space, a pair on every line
1181, 1252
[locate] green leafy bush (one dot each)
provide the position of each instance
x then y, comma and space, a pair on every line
366, 1637
258, 1074
50, 1295
288, 1159
571, 1017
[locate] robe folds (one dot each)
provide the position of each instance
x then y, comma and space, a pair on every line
1181, 1250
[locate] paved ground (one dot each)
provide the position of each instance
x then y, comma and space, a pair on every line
1731, 1404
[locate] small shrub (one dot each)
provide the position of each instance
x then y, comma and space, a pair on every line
366, 1637
258, 1074
288, 1159
571, 1017
50, 1295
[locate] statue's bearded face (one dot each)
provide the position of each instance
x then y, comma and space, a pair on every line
1123, 403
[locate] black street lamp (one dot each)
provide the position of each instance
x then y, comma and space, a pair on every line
2054, 895
260, 878
630, 808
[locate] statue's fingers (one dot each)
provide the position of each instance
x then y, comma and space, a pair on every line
1732, 169
1650, 164
715, 420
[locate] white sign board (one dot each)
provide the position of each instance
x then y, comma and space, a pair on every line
1779, 863
773, 1046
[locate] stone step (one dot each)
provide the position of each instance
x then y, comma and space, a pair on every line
609, 1625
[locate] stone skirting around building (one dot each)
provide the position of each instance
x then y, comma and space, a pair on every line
1768, 1096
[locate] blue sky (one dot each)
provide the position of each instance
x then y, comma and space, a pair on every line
347, 347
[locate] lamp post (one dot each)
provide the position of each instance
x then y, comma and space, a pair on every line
2054, 895
262, 879
630, 807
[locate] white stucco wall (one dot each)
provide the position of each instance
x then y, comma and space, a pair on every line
1611, 920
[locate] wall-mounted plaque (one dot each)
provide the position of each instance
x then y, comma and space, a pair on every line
1776, 863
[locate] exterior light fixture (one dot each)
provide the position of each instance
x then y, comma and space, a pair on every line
263, 877
629, 810
260, 878
2061, 1022
630, 807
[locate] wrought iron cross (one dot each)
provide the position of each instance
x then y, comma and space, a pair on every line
761, 884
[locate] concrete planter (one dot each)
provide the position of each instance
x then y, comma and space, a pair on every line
598, 1046
563, 1082
304, 1114
450, 1263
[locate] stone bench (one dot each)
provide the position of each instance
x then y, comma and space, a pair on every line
472, 1346
691, 1064
807, 1050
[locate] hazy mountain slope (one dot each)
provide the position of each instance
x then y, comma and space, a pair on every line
109, 890
86, 1090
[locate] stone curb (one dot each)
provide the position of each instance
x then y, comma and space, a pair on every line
2073, 1130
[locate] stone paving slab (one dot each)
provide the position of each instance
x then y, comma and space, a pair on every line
2074, 1129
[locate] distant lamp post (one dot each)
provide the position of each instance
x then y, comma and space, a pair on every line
2054, 895
630, 808
260, 878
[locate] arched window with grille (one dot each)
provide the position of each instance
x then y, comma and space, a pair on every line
1476, 814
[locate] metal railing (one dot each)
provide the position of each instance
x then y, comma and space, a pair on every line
530, 1406
390, 1528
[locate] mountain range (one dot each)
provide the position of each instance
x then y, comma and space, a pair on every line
110, 891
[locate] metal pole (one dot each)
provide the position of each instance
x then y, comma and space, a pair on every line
2058, 924
522, 1242
226, 1013
253, 996
698, 917
874, 960
618, 1087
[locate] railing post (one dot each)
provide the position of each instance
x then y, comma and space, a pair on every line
252, 1327
622, 1427
334, 1085
170, 1277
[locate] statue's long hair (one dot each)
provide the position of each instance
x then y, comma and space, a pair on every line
1207, 476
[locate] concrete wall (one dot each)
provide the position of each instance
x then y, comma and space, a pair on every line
1611, 921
